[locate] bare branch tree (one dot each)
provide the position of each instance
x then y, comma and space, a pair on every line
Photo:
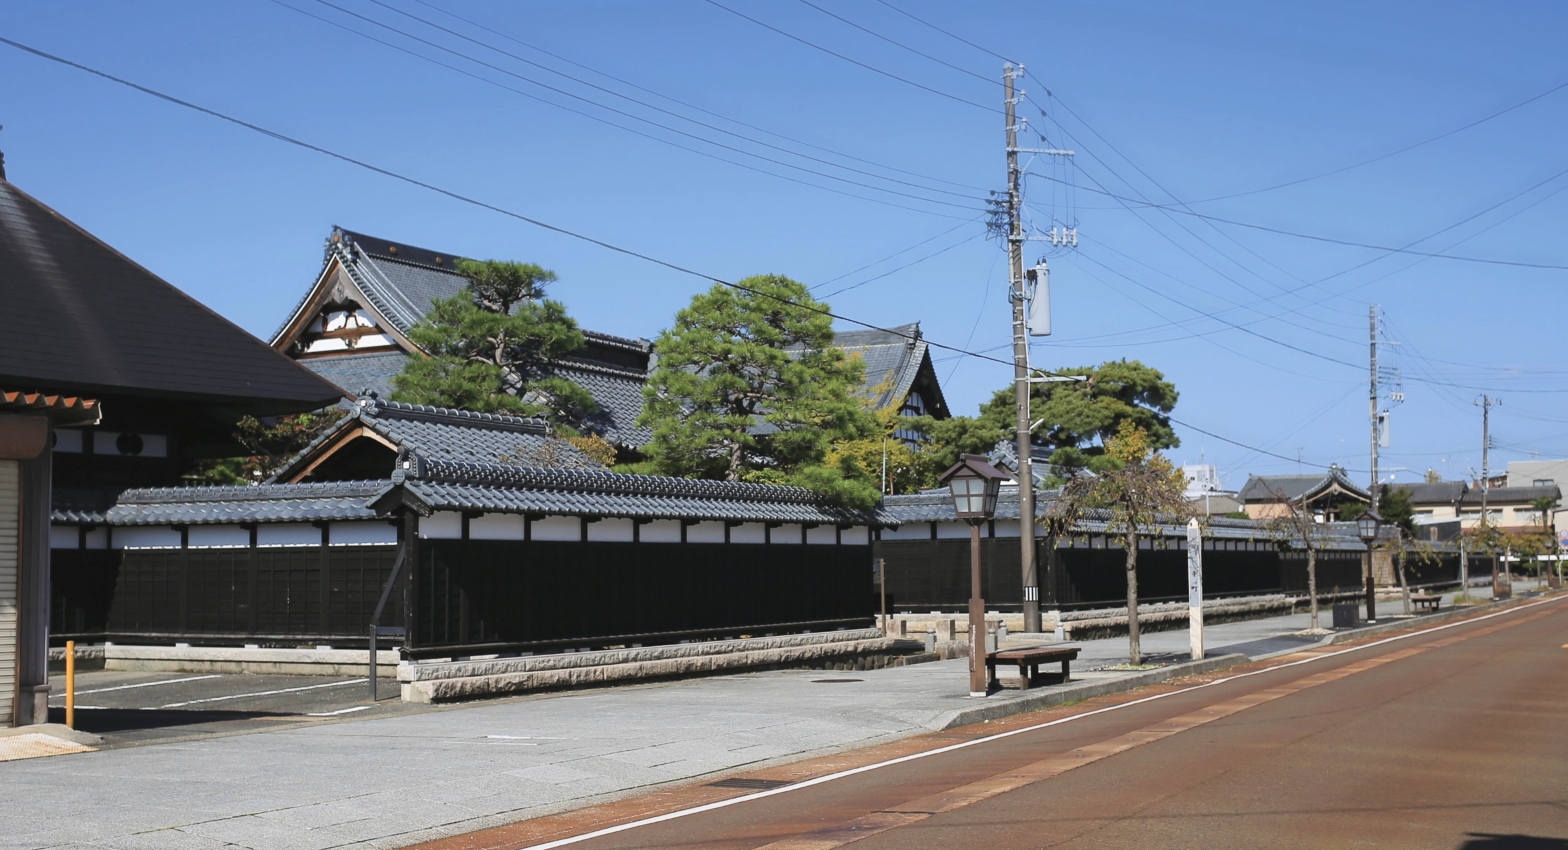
1297, 526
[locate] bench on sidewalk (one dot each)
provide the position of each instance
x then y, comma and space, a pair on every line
1029, 661
1426, 601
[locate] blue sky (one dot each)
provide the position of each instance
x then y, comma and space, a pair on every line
1265, 335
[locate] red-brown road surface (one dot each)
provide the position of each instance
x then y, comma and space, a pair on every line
1450, 738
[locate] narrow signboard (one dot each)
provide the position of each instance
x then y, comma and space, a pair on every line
1195, 587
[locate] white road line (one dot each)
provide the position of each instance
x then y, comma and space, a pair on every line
339, 711
262, 693
708, 807
141, 685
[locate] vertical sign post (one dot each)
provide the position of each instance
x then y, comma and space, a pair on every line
1195, 587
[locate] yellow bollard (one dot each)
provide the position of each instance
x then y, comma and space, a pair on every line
70, 684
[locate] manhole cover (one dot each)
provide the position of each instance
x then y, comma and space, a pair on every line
834, 681
750, 784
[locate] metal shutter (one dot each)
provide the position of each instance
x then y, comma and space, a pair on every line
10, 515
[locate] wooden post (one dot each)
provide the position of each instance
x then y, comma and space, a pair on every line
70, 684
977, 682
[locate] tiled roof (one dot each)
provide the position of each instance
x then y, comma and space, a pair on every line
895, 356
79, 507
360, 374
71, 408
1499, 495
348, 500
1005, 455
402, 280
439, 434
1268, 488
1433, 493
81, 318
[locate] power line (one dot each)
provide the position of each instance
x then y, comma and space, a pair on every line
890, 272
605, 121
650, 122
899, 44
870, 68
692, 106
897, 253
948, 34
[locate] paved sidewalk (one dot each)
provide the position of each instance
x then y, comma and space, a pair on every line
393, 781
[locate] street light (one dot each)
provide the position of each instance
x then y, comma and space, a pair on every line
973, 483
1366, 528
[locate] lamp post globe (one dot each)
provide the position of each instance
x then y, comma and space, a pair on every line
973, 484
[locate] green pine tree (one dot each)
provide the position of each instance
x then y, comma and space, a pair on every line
490, 347
749, 388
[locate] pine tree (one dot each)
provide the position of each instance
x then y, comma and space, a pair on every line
749, 388
490, 348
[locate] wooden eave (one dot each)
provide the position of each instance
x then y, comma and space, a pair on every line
335, 284
331, 447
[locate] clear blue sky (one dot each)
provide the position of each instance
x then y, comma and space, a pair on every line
1168, 102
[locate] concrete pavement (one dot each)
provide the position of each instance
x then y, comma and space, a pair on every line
393, 781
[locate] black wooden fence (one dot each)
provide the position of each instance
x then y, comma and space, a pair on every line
482, 595
271, 596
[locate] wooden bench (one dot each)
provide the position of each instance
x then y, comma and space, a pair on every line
1430, 603
1029, 661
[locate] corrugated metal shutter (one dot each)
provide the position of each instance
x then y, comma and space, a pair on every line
10, 516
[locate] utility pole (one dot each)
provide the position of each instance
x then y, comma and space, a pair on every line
1015, 258
1486, 403
1372, 328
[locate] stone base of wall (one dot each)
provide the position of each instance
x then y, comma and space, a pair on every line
207, 659
459, 680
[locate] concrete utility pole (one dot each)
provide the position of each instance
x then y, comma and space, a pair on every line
1486, 403
1015, 258
1372, 328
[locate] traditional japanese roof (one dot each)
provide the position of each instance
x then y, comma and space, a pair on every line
897, 360
437, 434
937, 506
397, 283
1501, 495
79, 507
345, 500
1269, 488
59, 408
427, 486
1005, 455
1431, 493
81, 318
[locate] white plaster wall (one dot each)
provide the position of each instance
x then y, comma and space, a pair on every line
496, 527
441, 525
751, 532
908, 531
568, 528
784, 535
660, 531
949, 530
822, 535
213, 536
1009, 528
857, 536
98, 538
147, 537
273, 534
362, 533
610, 531
705, 532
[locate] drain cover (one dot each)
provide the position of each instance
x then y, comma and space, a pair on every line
833, 681
750, 784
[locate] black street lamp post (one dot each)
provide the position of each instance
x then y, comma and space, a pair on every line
1366, 528
974, 483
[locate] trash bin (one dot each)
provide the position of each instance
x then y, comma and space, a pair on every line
1347, 615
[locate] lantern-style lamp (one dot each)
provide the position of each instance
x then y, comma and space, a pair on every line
1366, 528
973, 483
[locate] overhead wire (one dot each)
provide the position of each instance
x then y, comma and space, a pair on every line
901, 45
635, 117
897, 253
856, 62
966, 240
607, 122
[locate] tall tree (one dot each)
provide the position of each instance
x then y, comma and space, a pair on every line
1296, 526
1137, 488
1543, 507
749, 387
1077, 418
1393, 504
490, 348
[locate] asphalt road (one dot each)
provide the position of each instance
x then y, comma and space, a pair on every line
1453, 738
128, 708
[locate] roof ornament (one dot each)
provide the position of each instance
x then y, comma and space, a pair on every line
2, 159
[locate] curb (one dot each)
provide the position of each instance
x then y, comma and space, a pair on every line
1085, 690
1423, 619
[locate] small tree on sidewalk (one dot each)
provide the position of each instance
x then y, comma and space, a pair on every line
1136, 489
1298, 527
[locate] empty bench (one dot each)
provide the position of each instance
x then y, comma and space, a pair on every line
1029, 661
1425, 601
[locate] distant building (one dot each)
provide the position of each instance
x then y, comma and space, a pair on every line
1204, 489
1324, 495
352, 329
899, 372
